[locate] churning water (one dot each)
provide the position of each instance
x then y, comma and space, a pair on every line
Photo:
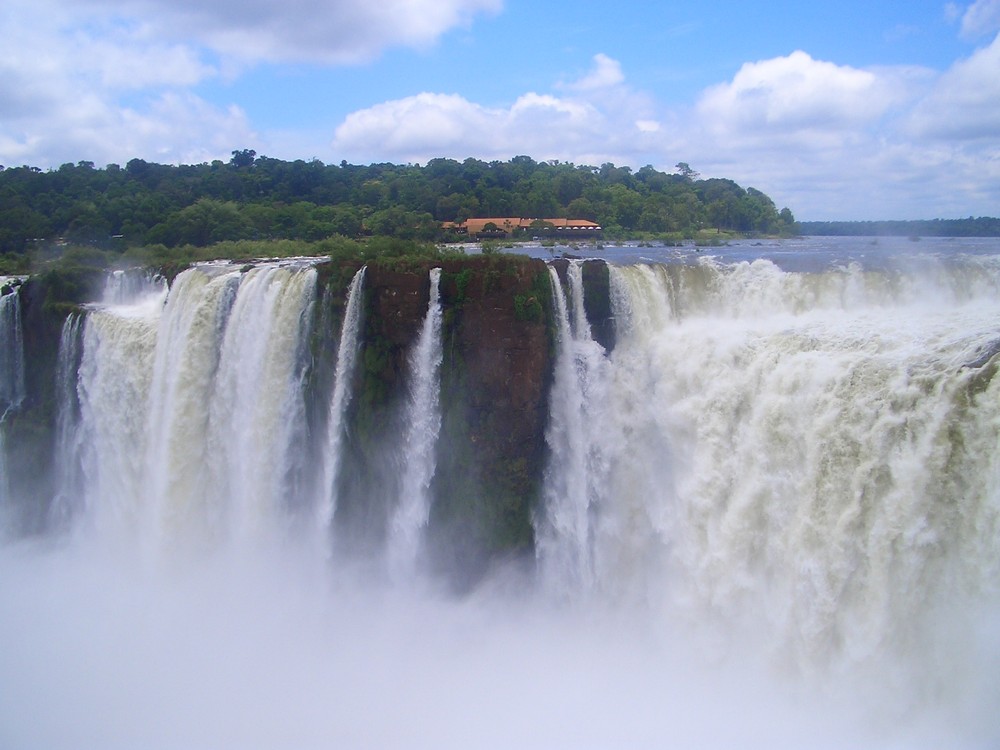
771, 519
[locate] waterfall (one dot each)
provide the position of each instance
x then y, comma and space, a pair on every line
576, 312
816, 451
11, 382
182, 485
423, 423
258, 412
578, 436
211, 381
119, 347
69, 479
768, 515
350, 332
127, 286
102, 451
11, 352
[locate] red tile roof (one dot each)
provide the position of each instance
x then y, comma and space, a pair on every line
510, 223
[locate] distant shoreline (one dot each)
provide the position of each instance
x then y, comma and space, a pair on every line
983, 226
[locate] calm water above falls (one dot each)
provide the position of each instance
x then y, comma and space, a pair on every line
800, 254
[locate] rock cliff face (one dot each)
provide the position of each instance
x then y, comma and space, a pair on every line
495, 374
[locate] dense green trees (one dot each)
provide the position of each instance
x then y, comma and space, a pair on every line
257, 197
983, 226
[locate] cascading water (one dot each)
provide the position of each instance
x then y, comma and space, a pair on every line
771, 471
11, 382
423, 423
181, 484
577, 435
212, 380
126, 286
340, 397
119, 345
257, 419
69, 482
11, 352
810, 450
103, 389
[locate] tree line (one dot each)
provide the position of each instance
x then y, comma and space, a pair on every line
261, 198
982, 226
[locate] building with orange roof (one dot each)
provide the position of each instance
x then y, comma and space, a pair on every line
505, 226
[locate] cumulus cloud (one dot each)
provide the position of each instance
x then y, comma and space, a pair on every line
797, 92
77, 87
346, 31
94, 78
132, 61
835, 141
581, 125
180, 128
796, 108
414, 125
418, 128
965, 102
173, 127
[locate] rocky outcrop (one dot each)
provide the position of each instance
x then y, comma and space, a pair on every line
495, 377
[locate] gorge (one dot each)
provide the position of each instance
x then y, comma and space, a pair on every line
640, 495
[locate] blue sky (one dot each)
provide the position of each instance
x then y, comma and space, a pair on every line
845, 110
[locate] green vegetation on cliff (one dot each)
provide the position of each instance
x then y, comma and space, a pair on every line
76, 259
259, 198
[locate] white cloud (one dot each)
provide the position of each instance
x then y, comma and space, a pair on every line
418, 128
182, 128
111, 79
74, 87
599, 120
606, 72
794, 93
170, 128
965, 102
345, 31
133, 61
48, 38
839, 142
411, 126
981, 18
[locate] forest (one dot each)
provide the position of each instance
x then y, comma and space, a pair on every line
982, 226
253, 197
